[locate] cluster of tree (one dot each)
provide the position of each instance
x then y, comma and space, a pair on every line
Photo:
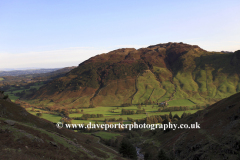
130, 119
130, 112
111, 142
127, 112
86, 116
200, 107
65, 112
161, 118
181, 108
146, 102
126, 104
153, 119
66, 120
127, 149
113, 119
141, 111
153, 154
77, 111
170, 109
39, 114
91, 106
185, 115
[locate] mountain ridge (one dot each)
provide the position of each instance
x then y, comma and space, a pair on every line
183, 71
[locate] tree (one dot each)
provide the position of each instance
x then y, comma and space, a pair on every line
183, 115
39, 114
162, 155
5, 97
176, 116
166, 121
77, 111
92, 106
127, 149
65, 112
170, 115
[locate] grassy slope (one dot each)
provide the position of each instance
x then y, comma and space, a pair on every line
30, 138
148, 88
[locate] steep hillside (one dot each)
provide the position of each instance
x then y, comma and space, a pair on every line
157, 73
218, 138
24, 136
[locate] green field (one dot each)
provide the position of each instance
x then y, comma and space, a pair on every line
49, 117
108, 114
11, 96
107, 135
12, 90
1, 79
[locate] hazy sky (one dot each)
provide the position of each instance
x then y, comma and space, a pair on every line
59, 33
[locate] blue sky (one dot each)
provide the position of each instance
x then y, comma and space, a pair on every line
59, 33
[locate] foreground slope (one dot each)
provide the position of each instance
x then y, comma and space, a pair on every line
25, 136
157, 73
218, 138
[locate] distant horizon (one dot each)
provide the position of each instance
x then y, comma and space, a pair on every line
71, 64
30, 68
53, 34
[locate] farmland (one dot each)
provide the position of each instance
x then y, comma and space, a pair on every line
108, 113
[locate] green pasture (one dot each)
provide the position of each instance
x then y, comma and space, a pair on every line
113, 112
14, 90
11, 96
49, 117
108, 114
37, 86
107, 135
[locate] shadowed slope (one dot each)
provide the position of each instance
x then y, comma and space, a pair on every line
29, 137
218, 138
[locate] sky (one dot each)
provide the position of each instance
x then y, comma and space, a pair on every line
60, 33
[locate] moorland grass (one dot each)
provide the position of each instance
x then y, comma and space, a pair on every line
106, 135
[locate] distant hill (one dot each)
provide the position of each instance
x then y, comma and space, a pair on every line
53, 74
30, 75
218, 137
157, 73
24, 72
